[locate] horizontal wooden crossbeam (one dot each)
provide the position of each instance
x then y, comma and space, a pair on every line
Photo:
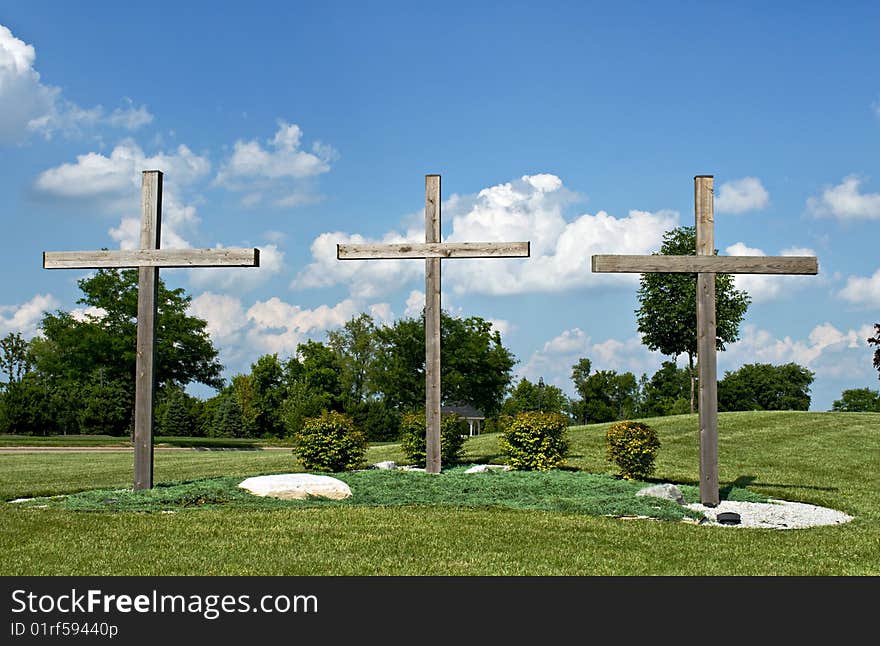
151, 258
433, 250
706, 264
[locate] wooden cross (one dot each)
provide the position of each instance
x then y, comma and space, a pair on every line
432, 251
148, 259
706, 264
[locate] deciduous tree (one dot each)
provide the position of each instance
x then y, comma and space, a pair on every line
667, 316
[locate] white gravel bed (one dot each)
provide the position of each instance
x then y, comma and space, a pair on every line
776, 514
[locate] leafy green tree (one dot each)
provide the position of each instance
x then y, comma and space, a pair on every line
667, 316
527, 396
15, 357
302, 402
858, 400
184, 352
605, 395
666, 393
355, 348
762, 386
476, 367
104, 408
267, 377
320, 371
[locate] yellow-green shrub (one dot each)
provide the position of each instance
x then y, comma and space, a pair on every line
535, 441
633, 447
453, 432
330, 442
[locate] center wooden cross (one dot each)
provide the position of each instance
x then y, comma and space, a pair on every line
706, 264
148, 259
432, 251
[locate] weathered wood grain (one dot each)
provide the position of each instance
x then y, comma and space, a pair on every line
147, 312
636, 264
432, 327
432, 250
704, 215
232, 257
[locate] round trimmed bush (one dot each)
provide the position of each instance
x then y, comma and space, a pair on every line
453, 432
535, 441
633, 447
330, 442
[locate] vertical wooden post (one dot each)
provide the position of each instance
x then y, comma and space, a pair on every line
706, 334
147, 312
432, 327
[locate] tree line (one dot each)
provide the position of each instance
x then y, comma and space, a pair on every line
78, 376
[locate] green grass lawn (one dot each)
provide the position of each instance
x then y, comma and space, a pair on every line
831, 459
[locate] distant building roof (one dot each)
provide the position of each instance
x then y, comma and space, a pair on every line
463, 410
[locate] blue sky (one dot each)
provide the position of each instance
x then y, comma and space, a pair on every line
578, 126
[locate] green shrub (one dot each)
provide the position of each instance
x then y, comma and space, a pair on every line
330, 442
535, 441
453, 433
633, 447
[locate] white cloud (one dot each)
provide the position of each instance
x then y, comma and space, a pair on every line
26, 317
130, 118
271, 326
223, 313
89, 313
846, 202
503, 326
381, 313
828, 351
240, 279
528, 209
254, 166
863, 290
767, 287
741, 195
30, 106
415, 303
574, 340
554, 361
112, 184
279, 327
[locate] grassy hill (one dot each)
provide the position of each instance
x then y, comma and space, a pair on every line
830, 459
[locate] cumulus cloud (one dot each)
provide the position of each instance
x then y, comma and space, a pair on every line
415, 303
272, 326
845, 201
278, 326
224, 315
30, 106
741, 195
767, 287
25, 318
112, 184
503, 326
553, 362
528, 209
278, 167
240, 279
828, 351
863, 290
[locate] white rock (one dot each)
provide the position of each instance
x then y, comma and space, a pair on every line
296, 486
388, 465
665, 491
488, 468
